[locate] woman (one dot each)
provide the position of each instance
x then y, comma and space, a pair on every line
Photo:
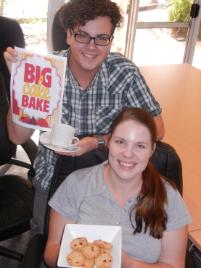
129, 192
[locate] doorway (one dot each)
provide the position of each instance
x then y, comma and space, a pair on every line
158, 31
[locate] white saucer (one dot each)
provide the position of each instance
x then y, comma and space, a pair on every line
44, 140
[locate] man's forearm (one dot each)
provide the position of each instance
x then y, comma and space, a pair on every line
17, 134
159, 127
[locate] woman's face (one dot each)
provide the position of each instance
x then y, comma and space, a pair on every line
130, 148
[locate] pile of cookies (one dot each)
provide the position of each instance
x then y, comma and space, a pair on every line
87, 254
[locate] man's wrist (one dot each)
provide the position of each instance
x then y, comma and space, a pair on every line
100, 141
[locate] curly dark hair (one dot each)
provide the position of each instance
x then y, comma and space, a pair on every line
79, 12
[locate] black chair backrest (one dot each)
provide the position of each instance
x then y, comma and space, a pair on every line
58, 34
11, 35
168, 163
165, 159
7, 149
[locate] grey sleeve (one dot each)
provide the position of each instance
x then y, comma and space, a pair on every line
67, 198
177, 212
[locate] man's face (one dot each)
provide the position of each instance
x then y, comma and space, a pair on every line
88, 57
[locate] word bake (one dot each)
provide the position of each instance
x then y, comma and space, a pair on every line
37, 82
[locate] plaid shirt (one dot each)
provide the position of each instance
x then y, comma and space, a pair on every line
118, 84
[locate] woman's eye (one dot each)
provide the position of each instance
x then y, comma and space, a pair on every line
141, 146
119, 141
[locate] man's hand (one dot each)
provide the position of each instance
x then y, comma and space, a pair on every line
86, 145
10, 56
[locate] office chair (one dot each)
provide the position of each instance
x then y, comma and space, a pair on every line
165, 159
11, 35
16, 192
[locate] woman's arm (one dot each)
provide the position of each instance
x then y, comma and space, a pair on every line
172, 255
56, 227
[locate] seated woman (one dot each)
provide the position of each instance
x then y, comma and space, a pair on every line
128, 191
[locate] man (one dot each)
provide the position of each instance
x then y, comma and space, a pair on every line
99, 84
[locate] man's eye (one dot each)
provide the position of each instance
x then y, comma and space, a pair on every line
103, 37
83, 35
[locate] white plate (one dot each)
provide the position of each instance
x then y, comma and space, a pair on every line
44, 140
107, 233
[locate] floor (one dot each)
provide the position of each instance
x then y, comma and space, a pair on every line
18, 244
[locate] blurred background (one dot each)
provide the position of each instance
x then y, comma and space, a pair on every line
154, 31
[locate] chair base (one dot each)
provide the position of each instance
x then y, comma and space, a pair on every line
9, 253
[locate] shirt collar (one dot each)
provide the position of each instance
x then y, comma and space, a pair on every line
102, 74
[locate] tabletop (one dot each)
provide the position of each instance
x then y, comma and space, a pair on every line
178, 90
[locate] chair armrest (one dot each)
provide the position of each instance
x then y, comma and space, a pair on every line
34, 254
31, 148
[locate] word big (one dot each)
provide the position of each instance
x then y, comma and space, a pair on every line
34, 74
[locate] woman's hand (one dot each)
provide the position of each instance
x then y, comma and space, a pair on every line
56, 226
10, 56
124, 260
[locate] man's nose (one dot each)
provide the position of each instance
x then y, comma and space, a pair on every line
92, 42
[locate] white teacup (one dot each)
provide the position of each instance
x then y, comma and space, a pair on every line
62, 135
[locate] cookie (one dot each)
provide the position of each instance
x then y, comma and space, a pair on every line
78, 243
89, 263
104, 261
103, 250
103, 244
75, 258
90, 251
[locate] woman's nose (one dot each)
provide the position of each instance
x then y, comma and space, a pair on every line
129, 152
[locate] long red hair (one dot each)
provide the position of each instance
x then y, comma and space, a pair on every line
149, 213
